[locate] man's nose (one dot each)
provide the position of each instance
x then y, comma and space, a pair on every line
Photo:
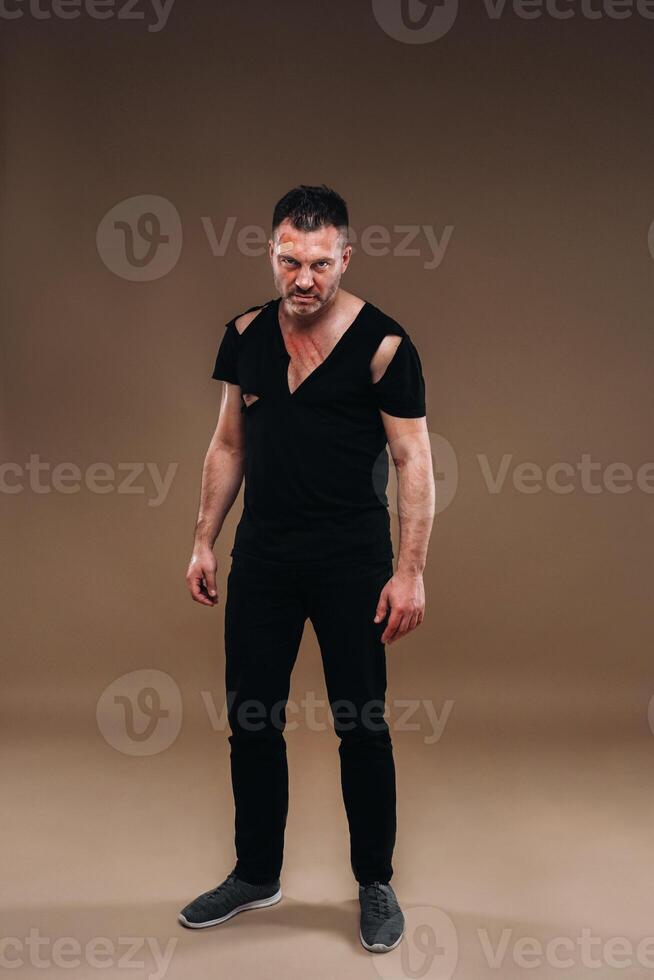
304, 279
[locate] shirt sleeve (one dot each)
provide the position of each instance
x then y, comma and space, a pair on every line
225, 367
401, 389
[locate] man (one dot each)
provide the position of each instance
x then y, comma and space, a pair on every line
317, 383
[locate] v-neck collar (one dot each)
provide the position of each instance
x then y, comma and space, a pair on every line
287, 357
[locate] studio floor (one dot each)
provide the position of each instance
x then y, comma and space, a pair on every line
515, 858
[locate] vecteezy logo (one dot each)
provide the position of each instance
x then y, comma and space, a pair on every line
446, 474
140, 713
429, 950
140, 238
415, 21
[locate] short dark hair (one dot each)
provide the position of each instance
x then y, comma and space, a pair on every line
309, 208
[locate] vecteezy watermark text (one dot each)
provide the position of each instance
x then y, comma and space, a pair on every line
99, 952
156, 11
400, 241
563, 477
398, 714
564, 952
140, 713
140, 239
425, 21
42, 477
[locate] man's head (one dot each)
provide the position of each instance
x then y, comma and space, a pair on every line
309, 250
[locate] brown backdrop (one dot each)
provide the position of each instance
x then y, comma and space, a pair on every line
524, 146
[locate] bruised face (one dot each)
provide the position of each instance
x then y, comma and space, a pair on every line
307, 266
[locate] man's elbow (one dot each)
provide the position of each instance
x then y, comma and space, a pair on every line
226, 448
411, 456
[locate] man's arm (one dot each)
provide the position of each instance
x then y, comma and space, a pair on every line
222, 476
408, 442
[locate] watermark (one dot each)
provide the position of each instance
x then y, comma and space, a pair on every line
499, 474
42, 477
155, 12
140, 239
429, 949
416, 21
425, 21
445, 469
98, 953
563, 477
317, 714
400, 241
565, 952
140, 713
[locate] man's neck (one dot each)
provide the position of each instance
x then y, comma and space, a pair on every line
326, 316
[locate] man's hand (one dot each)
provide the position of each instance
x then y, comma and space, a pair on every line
201, 576
405, 594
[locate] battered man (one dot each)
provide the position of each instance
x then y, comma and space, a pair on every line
317, 383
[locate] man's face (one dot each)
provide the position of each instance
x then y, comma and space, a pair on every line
307, 266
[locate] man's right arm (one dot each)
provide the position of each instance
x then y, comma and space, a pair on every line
222, 476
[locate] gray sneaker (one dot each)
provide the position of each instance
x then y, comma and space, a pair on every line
382, 921
231, 896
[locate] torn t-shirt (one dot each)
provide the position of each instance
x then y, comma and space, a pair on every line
316, 464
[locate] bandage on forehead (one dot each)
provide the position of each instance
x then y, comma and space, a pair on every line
285, 247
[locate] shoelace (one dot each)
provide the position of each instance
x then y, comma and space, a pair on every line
380, 898
228, 880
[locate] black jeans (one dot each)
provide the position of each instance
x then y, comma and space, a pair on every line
266, 607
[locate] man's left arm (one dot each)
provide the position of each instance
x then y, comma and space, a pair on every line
408, 441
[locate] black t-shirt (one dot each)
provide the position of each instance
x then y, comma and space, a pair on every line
316, 466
